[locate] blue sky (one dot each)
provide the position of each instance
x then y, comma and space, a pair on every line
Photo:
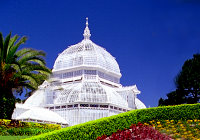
150, 39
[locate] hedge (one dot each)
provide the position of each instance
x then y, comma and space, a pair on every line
108, 125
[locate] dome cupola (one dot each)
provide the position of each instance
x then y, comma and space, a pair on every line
87, 55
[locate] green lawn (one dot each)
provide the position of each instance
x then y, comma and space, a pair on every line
13, 137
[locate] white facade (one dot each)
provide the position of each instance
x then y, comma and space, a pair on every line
85, 85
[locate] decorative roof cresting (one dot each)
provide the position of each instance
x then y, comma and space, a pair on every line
86, 31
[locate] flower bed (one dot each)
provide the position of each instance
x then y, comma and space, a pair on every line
189, 129
12, 128
136, 132
162, 130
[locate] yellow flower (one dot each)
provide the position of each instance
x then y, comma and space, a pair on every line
159, 125
167, 121
177, 134
146, 124
185, 132
158, 122
167, 130
184, 129
189, 121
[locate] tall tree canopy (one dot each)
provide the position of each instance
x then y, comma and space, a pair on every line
19, 69
187, 84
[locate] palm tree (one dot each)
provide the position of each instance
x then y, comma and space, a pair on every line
19, 70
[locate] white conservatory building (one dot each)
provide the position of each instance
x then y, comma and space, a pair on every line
84, 85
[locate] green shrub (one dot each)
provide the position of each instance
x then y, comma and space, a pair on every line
108, 125
26, 131
179, 112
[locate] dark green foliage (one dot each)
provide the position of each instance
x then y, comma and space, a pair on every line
6, 106
93, 129
173, 98
188, 80
187, 84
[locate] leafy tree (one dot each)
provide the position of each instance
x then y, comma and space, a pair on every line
19, 69
174, 98
187, 84
188, 80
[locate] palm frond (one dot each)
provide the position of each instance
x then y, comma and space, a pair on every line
31, 52
14, 48
12, 42
5, 47
21, 52
16, 67
31, 80
38, 60
1, 45
35, 67
32, 59
45, 72
28, 86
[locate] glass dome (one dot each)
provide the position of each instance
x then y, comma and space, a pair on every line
86, 53
90, 92
41, 115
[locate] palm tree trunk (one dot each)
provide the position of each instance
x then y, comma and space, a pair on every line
7, 103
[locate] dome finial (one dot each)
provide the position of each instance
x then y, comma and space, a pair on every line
86, 21
87, 30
